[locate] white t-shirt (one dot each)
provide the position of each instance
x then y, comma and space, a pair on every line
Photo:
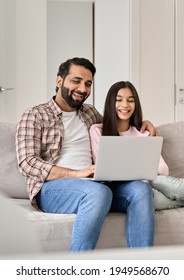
76, 148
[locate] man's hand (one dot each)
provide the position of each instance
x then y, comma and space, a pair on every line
147, 125
86, 172
57, 172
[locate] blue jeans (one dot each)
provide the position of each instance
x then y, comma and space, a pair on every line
92, 201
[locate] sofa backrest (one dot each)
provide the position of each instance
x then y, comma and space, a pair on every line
173, 147
12, 183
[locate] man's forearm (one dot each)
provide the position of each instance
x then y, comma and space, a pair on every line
57, 172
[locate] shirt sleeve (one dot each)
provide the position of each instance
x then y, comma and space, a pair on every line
95, 134
28, 147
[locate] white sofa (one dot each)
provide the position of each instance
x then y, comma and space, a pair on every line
54, 230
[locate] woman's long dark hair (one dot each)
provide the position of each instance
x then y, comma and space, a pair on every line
110, 120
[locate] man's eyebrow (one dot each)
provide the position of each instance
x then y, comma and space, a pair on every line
79, 78
76, 77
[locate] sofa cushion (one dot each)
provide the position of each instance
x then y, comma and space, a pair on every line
173, 147
54, 230
12, 183
17, 234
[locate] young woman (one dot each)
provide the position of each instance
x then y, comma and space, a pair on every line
123, 116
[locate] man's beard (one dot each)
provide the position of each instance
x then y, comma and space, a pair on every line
67, 96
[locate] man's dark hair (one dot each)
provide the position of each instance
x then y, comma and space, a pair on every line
64, 68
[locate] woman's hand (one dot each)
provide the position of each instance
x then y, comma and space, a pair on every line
147, 125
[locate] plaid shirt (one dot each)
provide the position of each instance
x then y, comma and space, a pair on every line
39, 141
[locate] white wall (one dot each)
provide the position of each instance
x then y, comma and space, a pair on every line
112, 46
179, 60
7, 60
31, 50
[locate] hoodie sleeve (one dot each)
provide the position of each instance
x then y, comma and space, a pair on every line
163, 168
95, 134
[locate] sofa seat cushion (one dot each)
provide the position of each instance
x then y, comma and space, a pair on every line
54, 230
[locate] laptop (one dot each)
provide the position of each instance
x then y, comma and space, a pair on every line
128, 158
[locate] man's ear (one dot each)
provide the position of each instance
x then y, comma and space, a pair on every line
59, 81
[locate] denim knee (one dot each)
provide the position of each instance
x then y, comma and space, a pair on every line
101, 194
140, 189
